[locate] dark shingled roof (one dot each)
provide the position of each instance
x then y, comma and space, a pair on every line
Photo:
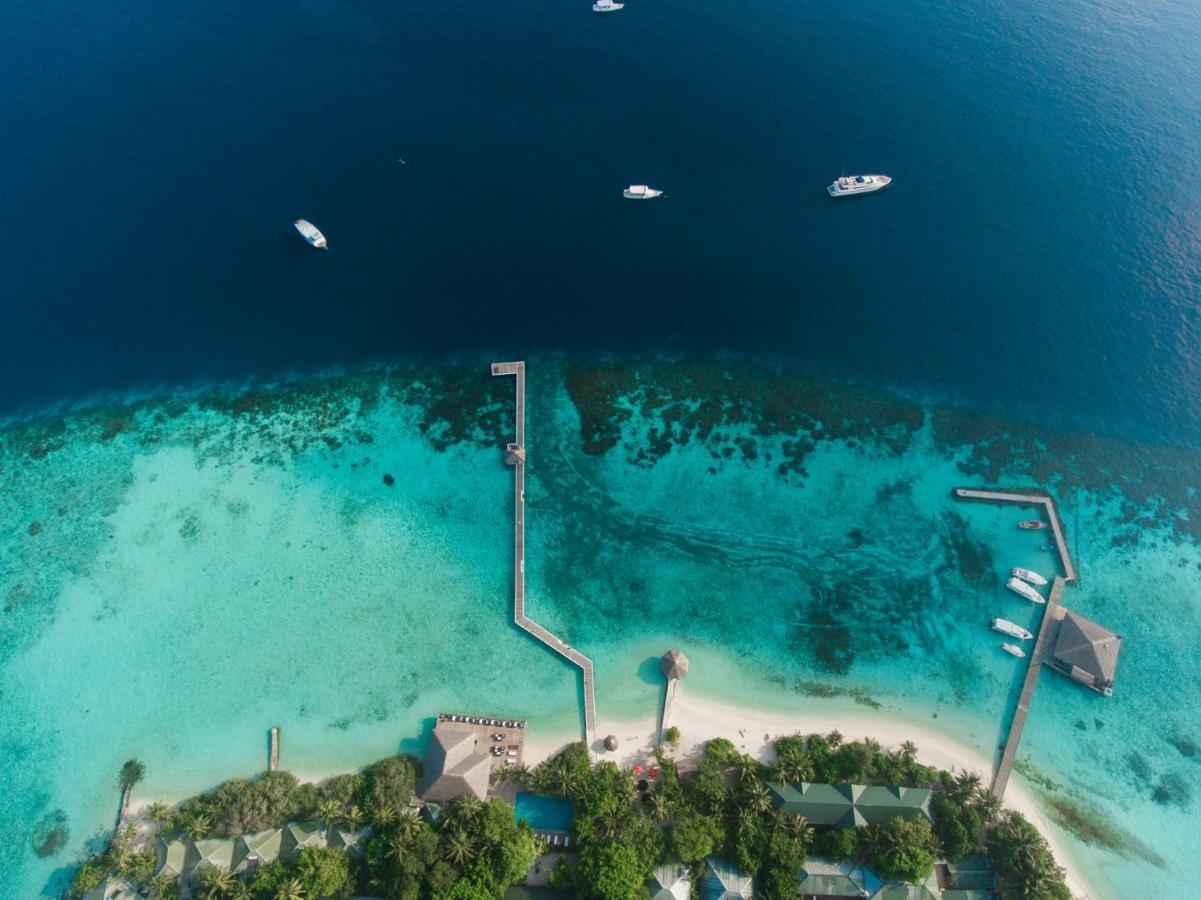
1084, 647
453, 767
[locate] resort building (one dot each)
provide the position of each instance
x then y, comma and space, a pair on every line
254, 850
901, 890
171, 858
299, 835
825, 878
1086, 652
721, 881
350, 841
851, 805
671, 883
214, 853
455, 764
112, 889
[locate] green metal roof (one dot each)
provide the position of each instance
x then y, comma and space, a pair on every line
171, 856
263, 846
851, 805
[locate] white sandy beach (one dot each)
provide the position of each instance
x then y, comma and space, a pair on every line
752, 731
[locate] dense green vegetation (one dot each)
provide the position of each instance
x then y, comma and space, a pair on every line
624, 828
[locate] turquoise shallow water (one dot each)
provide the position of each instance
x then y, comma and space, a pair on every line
179, 575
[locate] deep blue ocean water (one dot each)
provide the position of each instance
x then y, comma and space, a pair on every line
1039, 251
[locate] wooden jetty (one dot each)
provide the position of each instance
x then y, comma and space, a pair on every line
1043, 646
515, 456
273, 749
1032, 498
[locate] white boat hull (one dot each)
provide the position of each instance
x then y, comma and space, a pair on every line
311, 233
1013, 630
607, 7
853, 185
641, 192
1025, 591
1027, 575
1014, 650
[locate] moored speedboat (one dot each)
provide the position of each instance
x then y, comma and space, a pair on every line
1010, 628
1027, 575
1014, 650
847, 185
1022, 589
1032, 524
311, 233
640, 192
606, 6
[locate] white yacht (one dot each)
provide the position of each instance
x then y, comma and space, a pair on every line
1027, 575
311, 233
1010, 628
1022, 589
1014, 650
606, 6
640, 192
858, 184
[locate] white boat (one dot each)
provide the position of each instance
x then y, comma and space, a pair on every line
1014, 650
606, 6
847, 185
311, 233
1010, 628
640, 192
1032, 524
1024, 590
1027, 575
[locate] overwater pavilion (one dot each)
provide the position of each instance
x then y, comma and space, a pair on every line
1086, 652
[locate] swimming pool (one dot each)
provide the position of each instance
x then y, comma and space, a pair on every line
543, 813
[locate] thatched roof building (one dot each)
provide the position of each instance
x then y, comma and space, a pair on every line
673, 665
1086, 652
455, 765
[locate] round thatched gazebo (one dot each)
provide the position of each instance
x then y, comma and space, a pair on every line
611, 742
674, 665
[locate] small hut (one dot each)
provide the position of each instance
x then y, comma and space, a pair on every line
674, 665
611, 743
514, 455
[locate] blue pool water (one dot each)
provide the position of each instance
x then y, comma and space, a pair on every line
543, 813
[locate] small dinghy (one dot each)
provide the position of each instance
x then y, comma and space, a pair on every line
1032, 524
311, 233
1014, 650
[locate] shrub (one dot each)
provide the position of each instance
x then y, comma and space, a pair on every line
672, 737
390, 781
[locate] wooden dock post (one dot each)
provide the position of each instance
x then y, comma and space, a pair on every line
515, 456
273, 750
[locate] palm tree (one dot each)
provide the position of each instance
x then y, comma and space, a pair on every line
398, 849
383, 816
967, 783
292, 890
835, 738
215, 883
409, 823
240, 891
468, 806
195, 825
795, 825
988, 805
459, 848
354, 818
658, 806
164, 886
746, 819
609, 823
158, 811
519, 775
746, 769
797, 768
908, 752
758, 798
330, 812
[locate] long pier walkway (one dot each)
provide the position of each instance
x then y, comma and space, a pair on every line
1030, 498
1047, 632
515, 456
